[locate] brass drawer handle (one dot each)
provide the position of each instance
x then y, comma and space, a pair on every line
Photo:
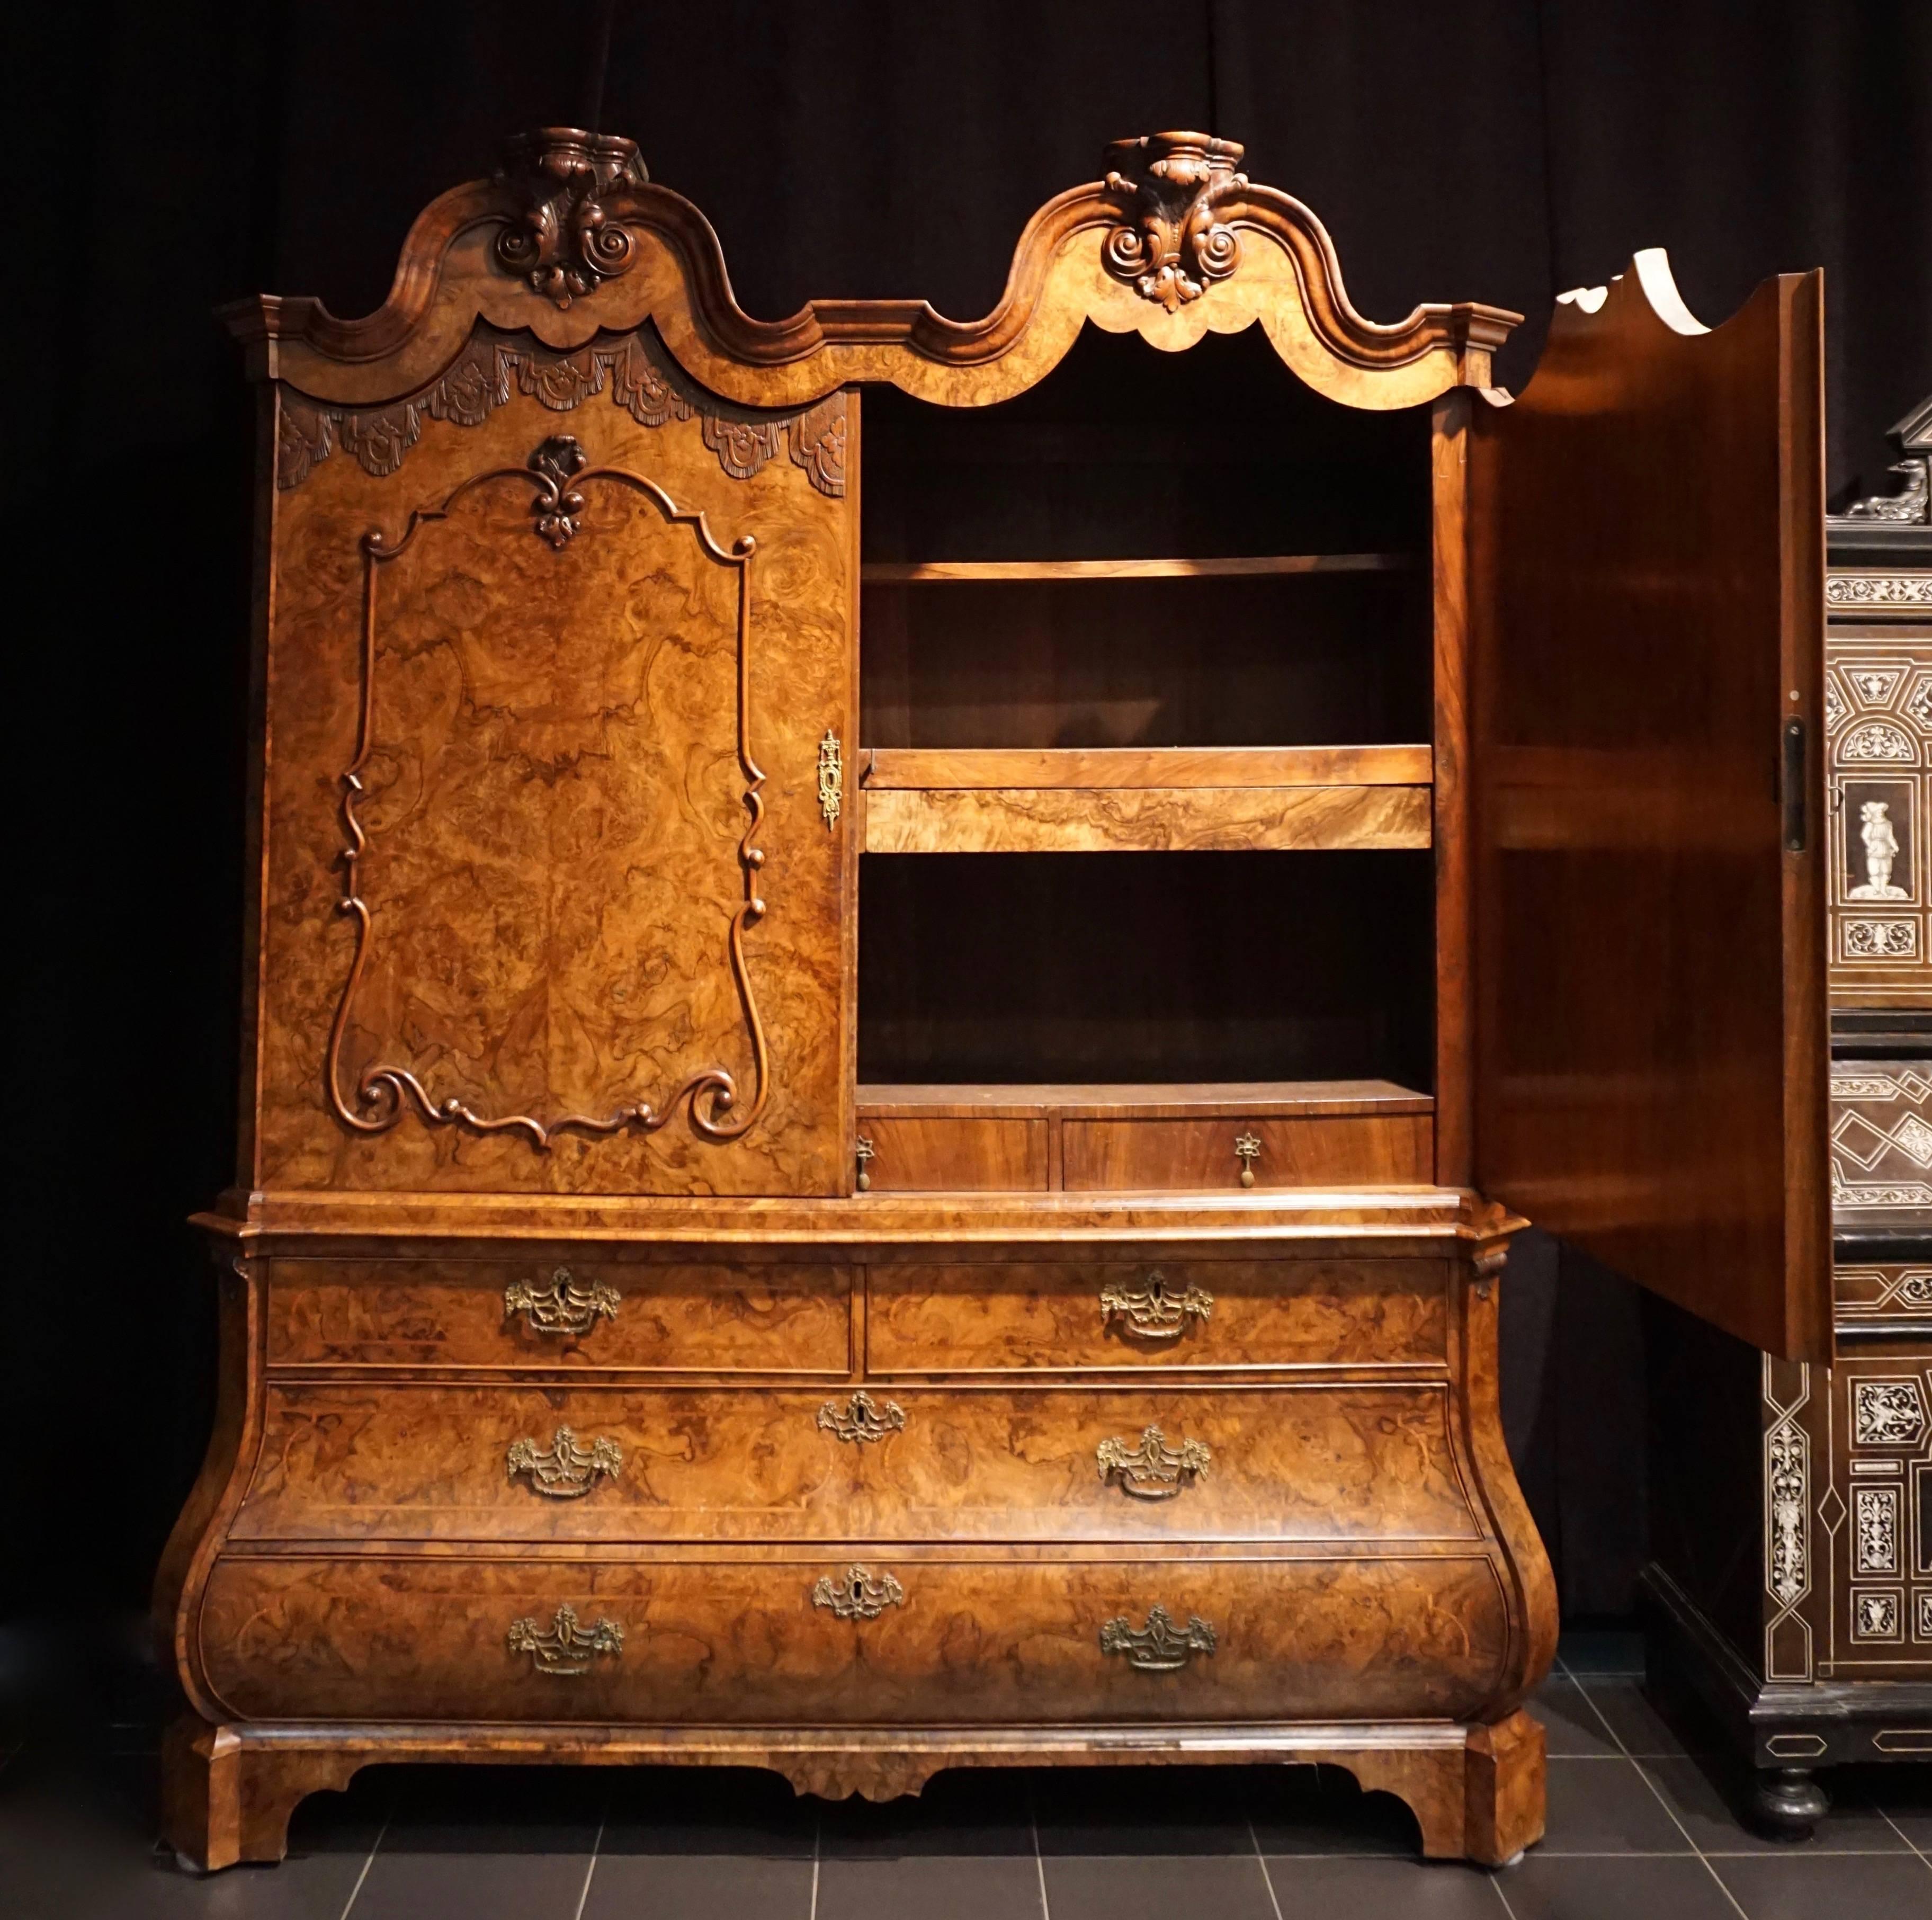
856, 1595
1160, 1646
563, 1308
864, 1153
1247, 1148
862, 1419
1153, 1470
564, 1470
568, 1648
1152, 1311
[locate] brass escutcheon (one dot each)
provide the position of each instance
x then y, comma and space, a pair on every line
1160, 1646
567, 1649
856, 1595
831, 779
1151, 1311
862, 1418
564, 1470
1153, 1470
563, 1308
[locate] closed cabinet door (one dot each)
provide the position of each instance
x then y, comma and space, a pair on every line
557, 849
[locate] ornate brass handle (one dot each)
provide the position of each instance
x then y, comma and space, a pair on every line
1153, 1470
856, 1595
831, 779
864, 1153
567, 1649
862, 1418
1247, 1148
1160, 1646
564, 1470
1153, 1311
563, 1308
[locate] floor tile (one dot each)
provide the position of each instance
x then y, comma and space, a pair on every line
490, 1810
710, 1811
1147, 1810
1709, 1797
1645, 1733
1800, 1885
1307, 1889
1606, 1806
984, 1810
979, 1886
501, 1886
1594, 1651
1547, 1887
1311, 1811
695, 1886
1573, 1727
1904, 1791
1155, 1887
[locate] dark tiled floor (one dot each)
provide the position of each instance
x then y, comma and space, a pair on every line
1641, 1823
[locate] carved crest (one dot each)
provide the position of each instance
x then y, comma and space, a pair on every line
1173, 246
564, 245
556, 462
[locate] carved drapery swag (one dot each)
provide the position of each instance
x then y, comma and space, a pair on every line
639, 374
1173, 246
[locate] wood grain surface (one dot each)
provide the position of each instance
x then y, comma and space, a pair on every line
932, 1153
1370, 1151
1165, 767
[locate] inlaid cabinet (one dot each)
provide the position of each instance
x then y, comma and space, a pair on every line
906, 977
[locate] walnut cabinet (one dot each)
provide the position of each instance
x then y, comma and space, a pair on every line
905, 978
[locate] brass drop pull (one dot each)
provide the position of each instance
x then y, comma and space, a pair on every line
1152, 1311
864, 1153
1247, 1149
856, 1595
862, 1418
1153, 1470
1159, 1647
563, 1308
567, 1649
564, 1470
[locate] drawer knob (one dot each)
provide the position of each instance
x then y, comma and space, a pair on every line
1159, 1647
568, 1647
1247, 1149
856, 1595
1153, 1470
862, 1419
1154, 1311
563, 1470
563, 1308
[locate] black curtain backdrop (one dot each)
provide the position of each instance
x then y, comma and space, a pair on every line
1501, 151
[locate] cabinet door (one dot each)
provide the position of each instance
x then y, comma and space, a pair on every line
566, 711
1647, 558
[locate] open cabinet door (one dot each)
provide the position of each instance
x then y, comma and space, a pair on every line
1647, 548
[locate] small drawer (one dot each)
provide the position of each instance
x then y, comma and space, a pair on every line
952, 1155
1144, 1156
692, 1318
466, 1463
865, 1636
989, 1316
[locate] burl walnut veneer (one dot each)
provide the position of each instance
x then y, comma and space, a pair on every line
607, 1374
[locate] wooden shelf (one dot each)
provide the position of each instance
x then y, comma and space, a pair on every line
1259, 1099
892, 572
976, 768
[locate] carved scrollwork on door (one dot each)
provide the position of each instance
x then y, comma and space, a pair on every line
1163, 1645
563, 1309
862, 1419
384, 1091
1153, 1310
563, 1470
857, 1595
1150, 1469
566, 1647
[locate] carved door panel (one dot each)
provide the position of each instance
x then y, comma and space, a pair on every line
564, 714
1652, 844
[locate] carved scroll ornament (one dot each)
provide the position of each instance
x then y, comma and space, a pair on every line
563, 245
384, 1091
1173, 247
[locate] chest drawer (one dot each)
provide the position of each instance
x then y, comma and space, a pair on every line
988, 1317
1144, 1156
953, 1155
690, 1317
343, 1462
794, 1639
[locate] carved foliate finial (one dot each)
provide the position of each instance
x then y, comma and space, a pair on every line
562, 244
1174, 245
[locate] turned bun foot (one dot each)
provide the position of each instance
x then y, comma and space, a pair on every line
1789, 1803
